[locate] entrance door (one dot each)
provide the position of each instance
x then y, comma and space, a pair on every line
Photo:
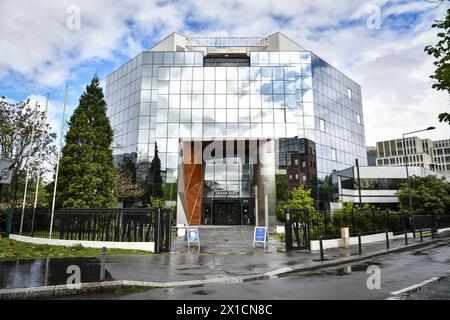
226, 213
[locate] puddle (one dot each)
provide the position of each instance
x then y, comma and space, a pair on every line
45, 272
200, 292
362, 267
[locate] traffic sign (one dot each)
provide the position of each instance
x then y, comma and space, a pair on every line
6, 165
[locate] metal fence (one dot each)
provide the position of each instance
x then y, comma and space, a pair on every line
119, 225
306, 226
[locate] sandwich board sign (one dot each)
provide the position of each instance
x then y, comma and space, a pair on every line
260, 236
192, 236
6, 165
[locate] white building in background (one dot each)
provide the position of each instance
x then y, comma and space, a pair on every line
378, 184
425, 153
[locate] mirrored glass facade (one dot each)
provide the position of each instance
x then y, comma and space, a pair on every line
163, 97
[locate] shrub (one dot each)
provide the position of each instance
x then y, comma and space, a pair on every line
3, 208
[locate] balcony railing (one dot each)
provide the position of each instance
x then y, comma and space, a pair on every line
227, 42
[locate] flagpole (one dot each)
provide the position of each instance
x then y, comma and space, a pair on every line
28, 172
38, 178
57, 161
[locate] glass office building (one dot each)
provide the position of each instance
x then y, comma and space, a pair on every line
230, 114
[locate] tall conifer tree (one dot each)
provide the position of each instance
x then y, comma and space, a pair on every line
87, 174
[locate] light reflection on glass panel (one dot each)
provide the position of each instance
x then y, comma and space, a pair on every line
274, 57
267, 87
185, 101
197, 115
278, 101
221, 115
189, 58
244, 73
197, 101
291, 101
197, 130
163, 87
255, 115
244, 115
284, 58
232, 101
173, 130
244, 130
232, 87
185, 115
278, 87
255, 73
163, 73
186, 87
278, 73
289, 87
255, 101
221, 73
221, 101
244, 87
244, 101
255, 87
209, 101
263, 58
279, 115
197, 73
232, 73
209, 87
208, 115
267, 115
267, 102
209, 73
221, 86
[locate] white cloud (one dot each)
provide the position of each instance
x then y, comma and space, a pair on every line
389, 63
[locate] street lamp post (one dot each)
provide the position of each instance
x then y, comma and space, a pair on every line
405, 157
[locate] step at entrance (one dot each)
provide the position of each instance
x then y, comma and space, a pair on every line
224, 239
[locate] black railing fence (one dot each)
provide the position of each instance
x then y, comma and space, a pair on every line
120, 225
328, 225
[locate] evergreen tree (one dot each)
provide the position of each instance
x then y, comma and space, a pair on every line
155, 178
87, 174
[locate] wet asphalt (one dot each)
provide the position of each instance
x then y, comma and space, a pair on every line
348, 282
164, 267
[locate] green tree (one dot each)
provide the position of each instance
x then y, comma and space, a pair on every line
300, 199
87, 174
27, 147
154, 179
430, 195
441, 52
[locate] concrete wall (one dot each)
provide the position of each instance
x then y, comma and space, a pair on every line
144, 246
336, 243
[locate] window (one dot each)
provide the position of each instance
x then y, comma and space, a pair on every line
358, 118
322, 125
333, 155
349, 93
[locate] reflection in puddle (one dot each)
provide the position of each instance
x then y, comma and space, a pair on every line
44, 272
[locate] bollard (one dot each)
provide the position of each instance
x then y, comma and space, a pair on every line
103, 264
359, 244
432, 233
322, 258
387, 240
406, 238
421, 235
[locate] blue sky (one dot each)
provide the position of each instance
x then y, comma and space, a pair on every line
41, 51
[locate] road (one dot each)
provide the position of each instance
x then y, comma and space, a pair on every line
349, 282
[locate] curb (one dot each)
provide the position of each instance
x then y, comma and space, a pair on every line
67, 289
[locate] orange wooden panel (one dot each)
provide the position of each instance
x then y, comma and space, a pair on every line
193, 186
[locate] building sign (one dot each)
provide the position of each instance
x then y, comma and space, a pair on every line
192, 236
6, 165
260, 235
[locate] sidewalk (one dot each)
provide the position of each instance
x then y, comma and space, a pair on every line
188, 266
167, 268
